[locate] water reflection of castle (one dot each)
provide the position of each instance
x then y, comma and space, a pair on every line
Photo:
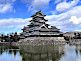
33, 53
38, 53
41, 53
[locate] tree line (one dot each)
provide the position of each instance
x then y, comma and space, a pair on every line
14, 37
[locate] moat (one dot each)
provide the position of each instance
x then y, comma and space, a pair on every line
41, 53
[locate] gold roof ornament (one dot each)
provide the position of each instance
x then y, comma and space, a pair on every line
38, 13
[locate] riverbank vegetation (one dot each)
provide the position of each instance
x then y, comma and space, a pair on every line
76, 36
9, 38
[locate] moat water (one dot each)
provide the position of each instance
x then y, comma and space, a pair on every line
41, 53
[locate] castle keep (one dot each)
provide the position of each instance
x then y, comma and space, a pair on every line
39, 28
39, 33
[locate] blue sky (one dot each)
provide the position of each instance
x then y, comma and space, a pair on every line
64, 14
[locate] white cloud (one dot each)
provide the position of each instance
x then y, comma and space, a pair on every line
64, 22
38, 5
7, 1
66, 5
6, 5
13, 22
76, 11
57, 1
26, 1
75, 20
5, 8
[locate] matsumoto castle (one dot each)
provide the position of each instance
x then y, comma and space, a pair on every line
39, 28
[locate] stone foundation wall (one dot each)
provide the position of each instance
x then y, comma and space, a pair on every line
42, 41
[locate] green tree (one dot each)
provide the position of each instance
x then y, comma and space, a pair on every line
2, 36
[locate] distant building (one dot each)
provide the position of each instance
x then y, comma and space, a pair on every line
72, 34
69, 34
